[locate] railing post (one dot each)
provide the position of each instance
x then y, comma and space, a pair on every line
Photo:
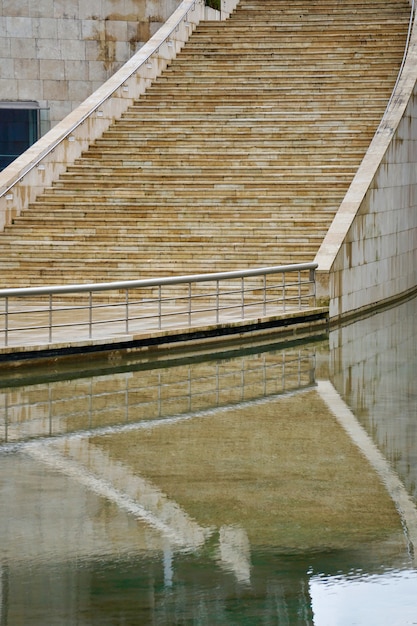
217, 300
90, 314
242, 294
50, 317
312, 278
159, 307
6, 322
127, 310
189, 303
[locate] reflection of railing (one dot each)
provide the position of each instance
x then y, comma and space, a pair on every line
98, 403
33, 315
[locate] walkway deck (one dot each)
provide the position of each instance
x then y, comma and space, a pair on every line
110, 335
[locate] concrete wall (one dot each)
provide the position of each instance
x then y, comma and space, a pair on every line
57, 52
369, 254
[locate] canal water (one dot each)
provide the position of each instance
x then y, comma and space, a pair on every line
255, 484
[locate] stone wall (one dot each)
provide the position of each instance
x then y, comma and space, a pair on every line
369, 254
57, 52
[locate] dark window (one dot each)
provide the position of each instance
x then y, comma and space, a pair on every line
18, 131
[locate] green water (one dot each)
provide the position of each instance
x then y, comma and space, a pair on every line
215, 488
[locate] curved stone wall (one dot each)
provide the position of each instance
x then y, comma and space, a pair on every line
369, 254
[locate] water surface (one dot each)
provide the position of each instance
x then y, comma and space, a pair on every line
215, 489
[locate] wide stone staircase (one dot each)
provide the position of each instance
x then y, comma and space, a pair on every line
238, 156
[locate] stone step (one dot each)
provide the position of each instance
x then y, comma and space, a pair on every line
237, 156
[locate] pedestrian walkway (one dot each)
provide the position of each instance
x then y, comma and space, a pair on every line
75, 330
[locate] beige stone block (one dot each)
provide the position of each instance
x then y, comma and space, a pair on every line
8, 89
14, 7
50, 69
45, 28
26, 69
76, 70
73, 49
116, 30
29, 89
19, 27
97, 71
123, 51
23, 49
48, 49
4, 44
91, 9
90, 29
65, 9
78, 90
59, 110
55, 89
41, 8
92, 51
7, 68
69, 29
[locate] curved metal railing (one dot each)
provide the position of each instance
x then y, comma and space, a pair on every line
37, 315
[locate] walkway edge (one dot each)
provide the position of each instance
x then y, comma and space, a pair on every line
295, 324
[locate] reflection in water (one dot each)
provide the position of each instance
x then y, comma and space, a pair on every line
215, 490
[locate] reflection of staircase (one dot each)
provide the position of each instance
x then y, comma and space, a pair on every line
238, 156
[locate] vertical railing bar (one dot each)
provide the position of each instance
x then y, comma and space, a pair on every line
159, 307
299, 289
242, 295
127, 310
217, 301
50, 317
217, 385
264, 294
283, 292
6, 417
6, 321
90, 314
189, 303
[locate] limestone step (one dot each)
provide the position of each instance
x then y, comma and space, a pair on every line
237, 156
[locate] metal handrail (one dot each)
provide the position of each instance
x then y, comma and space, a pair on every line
149, 304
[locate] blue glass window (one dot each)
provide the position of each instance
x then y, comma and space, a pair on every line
18, 131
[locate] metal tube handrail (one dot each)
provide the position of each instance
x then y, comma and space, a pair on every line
42, 313
154, 282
